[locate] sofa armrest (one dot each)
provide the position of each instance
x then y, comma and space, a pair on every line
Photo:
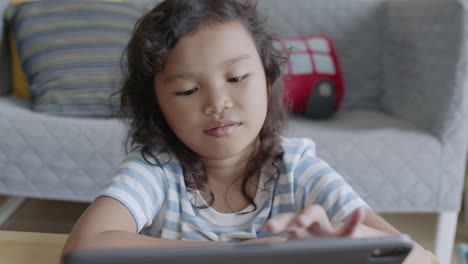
425, 63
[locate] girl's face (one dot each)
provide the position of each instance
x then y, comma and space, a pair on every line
213, 91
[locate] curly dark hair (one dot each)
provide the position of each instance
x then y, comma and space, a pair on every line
155, 34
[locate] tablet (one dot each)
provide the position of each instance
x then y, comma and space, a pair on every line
384, 250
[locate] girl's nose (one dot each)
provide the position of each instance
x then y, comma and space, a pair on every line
216, 104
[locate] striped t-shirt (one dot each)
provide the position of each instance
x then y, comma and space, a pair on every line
162, 207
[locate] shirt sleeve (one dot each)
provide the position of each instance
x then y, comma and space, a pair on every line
318, 183
140, 187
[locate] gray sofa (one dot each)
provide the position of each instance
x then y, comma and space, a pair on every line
400, 138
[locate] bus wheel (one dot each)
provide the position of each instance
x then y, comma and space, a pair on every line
322, 99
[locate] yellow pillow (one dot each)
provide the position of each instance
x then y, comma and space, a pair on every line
20, 83
19, 80
15, 2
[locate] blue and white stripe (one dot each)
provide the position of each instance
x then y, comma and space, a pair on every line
159, 201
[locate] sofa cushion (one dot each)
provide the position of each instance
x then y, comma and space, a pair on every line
394, 165
19, 81
56, 157
71, 51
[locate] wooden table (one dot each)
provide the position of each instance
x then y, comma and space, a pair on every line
27, 247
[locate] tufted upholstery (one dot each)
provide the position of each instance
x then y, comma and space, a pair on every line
55, 157
393, 164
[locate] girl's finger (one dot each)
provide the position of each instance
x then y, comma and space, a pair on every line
314, 218
279, 223
350, 225
345, 230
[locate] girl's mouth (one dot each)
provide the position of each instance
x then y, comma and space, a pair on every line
222, 128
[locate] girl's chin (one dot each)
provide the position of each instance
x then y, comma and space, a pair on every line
223, 150
221, 153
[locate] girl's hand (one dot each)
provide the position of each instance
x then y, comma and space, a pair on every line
312, 222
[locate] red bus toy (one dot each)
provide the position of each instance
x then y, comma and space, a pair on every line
313, 82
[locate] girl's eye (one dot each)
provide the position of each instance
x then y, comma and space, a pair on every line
188, 92
237, 79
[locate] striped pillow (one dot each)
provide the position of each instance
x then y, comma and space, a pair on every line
70, 52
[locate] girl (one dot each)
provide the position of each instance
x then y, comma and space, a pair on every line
208, 164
